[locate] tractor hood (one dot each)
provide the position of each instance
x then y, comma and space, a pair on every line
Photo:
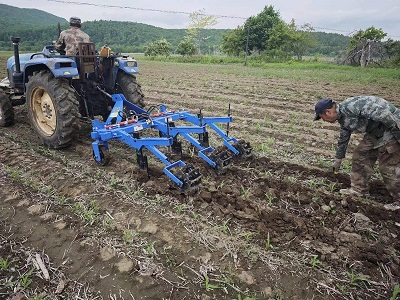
59, 66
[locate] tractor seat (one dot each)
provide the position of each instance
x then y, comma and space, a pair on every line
86, 58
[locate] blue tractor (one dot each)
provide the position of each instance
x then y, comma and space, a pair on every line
60, 90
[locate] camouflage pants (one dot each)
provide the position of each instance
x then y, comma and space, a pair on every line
364, 159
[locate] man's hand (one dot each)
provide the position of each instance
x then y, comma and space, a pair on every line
336, 165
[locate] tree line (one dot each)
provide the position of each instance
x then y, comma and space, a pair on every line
265, 36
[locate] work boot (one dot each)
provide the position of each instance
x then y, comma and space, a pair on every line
392, 206
353, 192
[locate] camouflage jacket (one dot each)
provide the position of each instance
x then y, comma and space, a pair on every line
376, 117
69, 39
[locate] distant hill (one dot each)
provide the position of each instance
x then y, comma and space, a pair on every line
15, 18
37, 28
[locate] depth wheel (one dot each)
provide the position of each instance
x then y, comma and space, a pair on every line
105, 156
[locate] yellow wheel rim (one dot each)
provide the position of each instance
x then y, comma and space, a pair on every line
43, 111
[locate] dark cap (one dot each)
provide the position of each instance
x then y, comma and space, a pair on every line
75, 21
321, 106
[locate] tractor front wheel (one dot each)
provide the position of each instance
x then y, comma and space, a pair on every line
6, 110
53, 109
127, 85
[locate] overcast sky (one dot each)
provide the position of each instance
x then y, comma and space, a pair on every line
341, 16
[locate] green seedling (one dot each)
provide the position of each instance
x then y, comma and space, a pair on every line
13, 173
113, 181
314, 261
245, 192
180, 208
38, 297
396, 292
353, 278
25, 279
208, 285
332, 186
270, 198
221, 185
4, 264
195, 216
247, 236
87, 213
128, 236
150, 250
268, 245
245, 298
225, 228
342, 288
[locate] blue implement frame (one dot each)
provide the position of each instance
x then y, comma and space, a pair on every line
126, 120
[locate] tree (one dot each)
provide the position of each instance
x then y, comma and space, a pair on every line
300, 39
186, 47
365, 45
393, 50
255, 32
260, 28
232, 42
158, 48
196, 29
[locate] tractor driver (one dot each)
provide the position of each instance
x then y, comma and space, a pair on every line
69, 39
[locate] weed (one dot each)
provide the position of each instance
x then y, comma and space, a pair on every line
245, 192
258, 128
270, 198
180, 208
139, 192
245, 298
150, 250
25, 279
128, 236
64, 160
372, 234
60, 199
323, 163
396, 292
342, 288
221, 185
4, 264
268, 245
40, 297
315, 199
314, 261
87, 213
13, 173
224, 227
208, 285
113, 181
107, 222
292, 179
332, 186
247, 236
195, 216
354, 279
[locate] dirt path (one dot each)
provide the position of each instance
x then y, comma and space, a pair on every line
272, 227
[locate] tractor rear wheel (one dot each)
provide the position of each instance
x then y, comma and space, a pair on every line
128, 86
53, 109
6, 110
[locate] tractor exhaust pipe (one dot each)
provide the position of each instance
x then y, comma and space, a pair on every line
17, 75
15, 41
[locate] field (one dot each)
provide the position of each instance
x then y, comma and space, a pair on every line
272, 227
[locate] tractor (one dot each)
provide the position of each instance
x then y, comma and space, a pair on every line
60, 90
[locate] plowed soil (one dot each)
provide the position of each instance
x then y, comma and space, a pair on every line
273, 226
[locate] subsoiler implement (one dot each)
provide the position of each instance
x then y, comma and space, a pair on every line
130, 124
